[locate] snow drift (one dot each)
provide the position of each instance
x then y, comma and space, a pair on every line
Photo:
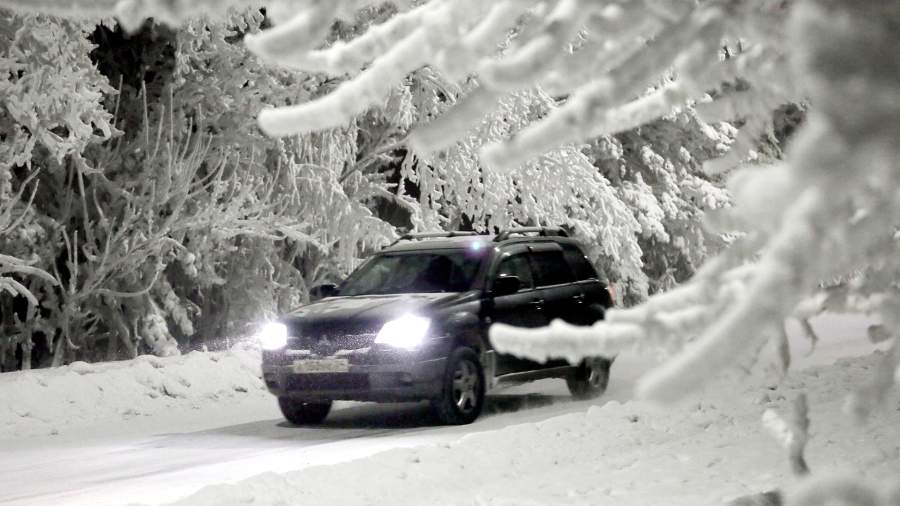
48, 401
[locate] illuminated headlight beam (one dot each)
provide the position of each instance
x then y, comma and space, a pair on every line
273, 336
408, 332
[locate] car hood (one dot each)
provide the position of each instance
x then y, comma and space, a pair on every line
363, 313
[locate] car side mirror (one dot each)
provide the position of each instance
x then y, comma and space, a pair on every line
324, 290
506, 285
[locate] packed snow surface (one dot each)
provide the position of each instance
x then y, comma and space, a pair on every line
160, 430
708, 450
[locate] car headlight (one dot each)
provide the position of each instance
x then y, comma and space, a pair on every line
408, 331
273, 336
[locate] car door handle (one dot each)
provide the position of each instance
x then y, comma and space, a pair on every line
579, 299
537, 303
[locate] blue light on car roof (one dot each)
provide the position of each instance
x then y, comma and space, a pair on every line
475, 246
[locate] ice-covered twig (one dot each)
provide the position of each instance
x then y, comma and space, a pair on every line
582, 118
69, 8
602, 107
837, 490
369, 88
445, 131
866, 399
792, 434
482, 41
302, 33
613, 39
350, 98
665, 321
727, 337
528, 62
342, 57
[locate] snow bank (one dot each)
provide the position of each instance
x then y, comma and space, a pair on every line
707, 450
48, 401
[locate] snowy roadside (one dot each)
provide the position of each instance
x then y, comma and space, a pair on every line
153, 391
137, 422
705, 451
82, 396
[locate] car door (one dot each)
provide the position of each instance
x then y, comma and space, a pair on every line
520, 309
592, 298
555, 282
555, 288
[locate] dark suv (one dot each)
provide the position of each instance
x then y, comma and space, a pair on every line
411, 323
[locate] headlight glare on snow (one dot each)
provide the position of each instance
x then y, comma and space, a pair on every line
408, 331
273, 336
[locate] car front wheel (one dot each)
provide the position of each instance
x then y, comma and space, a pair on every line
590, 378
463, 389
303, 413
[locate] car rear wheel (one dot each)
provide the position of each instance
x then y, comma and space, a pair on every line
462, 396
590, 378
303, 413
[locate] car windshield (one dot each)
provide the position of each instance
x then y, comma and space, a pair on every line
415, 272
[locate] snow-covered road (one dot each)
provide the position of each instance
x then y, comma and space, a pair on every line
171, 455
168, 459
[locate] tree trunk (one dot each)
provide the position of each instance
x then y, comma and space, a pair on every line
59, 352
27, 344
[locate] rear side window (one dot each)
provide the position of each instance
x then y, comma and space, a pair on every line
516, 265
581, 266
550, 268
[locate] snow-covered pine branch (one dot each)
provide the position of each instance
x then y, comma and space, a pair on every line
131, 13
460, 38
601, 55
823, 201
830, 211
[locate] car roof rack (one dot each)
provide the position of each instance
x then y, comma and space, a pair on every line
431, 235
541, 231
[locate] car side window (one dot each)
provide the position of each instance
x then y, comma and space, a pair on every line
580, 264
550, 268
517, 265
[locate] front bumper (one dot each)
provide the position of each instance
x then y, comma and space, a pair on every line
379, 383
376, 373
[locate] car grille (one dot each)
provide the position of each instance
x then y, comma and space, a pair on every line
328, 344
328, 381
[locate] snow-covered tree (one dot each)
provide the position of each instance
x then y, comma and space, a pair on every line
654, 173
311, 177
51, 110
818, 201
604, 73
818, 231
830, 212
657, 171
367, 163
182, 222
560, 188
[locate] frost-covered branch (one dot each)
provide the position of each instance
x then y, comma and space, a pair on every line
792, 433
131, 13
12, 212
600, 54
843, 490
835, 195
396, 47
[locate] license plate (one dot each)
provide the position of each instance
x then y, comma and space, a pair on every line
319, 366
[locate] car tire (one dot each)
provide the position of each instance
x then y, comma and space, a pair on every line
303, 413
462, 390
590, 379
